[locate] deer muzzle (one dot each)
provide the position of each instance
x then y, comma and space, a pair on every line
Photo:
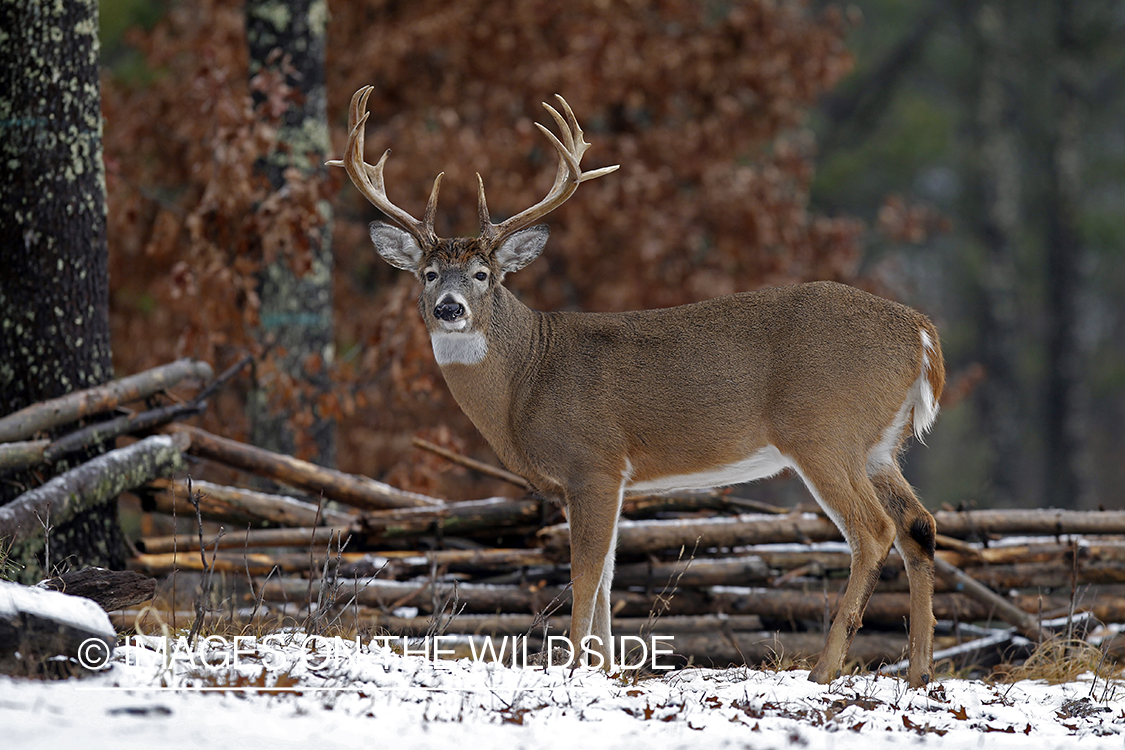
449, 310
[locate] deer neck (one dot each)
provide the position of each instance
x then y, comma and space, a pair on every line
484, 367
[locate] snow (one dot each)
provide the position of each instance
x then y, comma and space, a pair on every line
283, 691
75, 611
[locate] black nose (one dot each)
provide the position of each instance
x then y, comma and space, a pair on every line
449, 310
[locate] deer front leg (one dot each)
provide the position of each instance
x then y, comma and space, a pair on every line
854, 507
593, 514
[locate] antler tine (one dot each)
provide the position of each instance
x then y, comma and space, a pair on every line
368, 178
568, 177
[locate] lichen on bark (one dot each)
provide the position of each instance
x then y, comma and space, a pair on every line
54, 291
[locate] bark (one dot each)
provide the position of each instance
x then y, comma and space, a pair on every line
111, 589
78, 405
350, 489
54, 290
287, 38
242, 506
17, 456
72, 495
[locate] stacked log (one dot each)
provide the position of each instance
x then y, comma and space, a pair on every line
731, 586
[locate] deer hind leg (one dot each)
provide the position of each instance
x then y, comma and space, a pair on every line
915, 542
851, 502
593, 513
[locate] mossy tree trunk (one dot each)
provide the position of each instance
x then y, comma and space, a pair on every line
54, 287
288, 37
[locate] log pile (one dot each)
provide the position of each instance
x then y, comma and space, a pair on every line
731, 579
731, 586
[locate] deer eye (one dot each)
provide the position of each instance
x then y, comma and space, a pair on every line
431, 276
480, 276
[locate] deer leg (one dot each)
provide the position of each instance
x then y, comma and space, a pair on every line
915, 542
854, 507
593, 515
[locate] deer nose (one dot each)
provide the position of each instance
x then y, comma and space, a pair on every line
449, 309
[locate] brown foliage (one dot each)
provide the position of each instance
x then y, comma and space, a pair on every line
702, 104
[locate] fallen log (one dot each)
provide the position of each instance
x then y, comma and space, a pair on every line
110, 589
983, 524
529, 624
217, 502
454, 519
388, 565
99, 480
290, 537
474, 597
639, 537
37, 624
100, 399
740, 571
358, 491
21, 455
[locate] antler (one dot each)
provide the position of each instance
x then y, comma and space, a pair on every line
369, 179
567, 179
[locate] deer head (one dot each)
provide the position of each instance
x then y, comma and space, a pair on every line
458, 274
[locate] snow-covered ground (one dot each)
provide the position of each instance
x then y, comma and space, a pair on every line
348, 698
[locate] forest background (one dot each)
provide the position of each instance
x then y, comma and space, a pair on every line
965, 157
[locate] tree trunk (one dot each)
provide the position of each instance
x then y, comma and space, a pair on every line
286, 38
54, 291
1067, 419
995, 208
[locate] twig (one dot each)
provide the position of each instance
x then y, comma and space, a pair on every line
471, 463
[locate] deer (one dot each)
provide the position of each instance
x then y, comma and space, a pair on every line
820, 378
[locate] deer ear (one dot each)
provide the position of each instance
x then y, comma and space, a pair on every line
521, 248
396, 246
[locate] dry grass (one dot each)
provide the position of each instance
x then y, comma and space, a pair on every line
1058, 660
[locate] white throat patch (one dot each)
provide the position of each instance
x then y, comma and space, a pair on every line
459, 348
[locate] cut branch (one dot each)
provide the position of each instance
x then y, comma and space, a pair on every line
234, 504
99, 480
16, 456
79, 404
361, 492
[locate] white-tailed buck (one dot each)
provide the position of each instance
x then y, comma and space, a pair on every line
819, 378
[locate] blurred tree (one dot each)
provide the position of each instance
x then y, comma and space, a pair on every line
54, 290
992, 210
286, 41
1068, 469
